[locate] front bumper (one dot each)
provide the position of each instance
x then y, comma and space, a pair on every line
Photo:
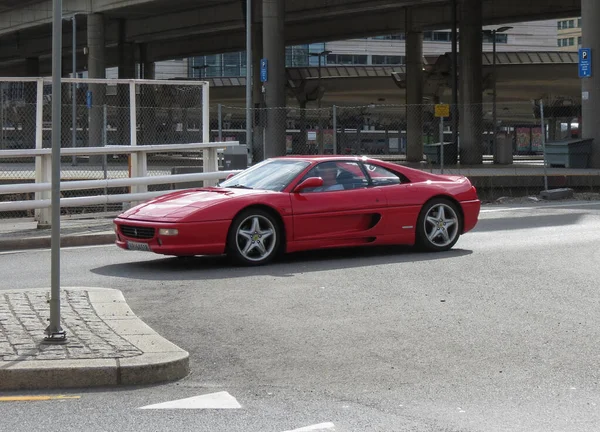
193, 238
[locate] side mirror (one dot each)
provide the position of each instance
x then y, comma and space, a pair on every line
311, 182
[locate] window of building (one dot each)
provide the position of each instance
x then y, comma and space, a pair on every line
579, 41
437, 36
501, 38
387, 60
297, 56
571, 41
397, 36
347, 59
579, 22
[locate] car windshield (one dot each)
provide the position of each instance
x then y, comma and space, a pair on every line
271, 174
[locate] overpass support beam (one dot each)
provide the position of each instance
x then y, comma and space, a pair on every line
471, 82
590, 11
414, 92
257, 95
126, 71
275, 87
96, 69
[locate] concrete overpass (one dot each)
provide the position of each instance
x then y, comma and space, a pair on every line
123, 32
521, 77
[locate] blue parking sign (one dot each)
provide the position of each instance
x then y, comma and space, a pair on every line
264, 73
585, 62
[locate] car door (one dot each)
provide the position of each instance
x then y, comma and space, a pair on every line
403, 200
351, 212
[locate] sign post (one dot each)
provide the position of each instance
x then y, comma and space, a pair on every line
442, 111
585, 62
54, 331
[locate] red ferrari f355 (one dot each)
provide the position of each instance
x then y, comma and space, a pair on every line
297, 203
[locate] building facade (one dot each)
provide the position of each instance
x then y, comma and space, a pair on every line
382, 50
569, 34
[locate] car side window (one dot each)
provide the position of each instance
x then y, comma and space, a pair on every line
383, 177
338, 176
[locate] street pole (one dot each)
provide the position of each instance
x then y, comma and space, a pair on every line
544, 143
54, 332
494, 121
319, 132
249, 76
455, 120
73, 91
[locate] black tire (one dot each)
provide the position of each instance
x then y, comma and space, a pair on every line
244, 240
430, 236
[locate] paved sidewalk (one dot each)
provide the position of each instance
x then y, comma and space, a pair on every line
107, 345
18, 234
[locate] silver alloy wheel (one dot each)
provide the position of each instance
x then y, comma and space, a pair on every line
441, 225
256, 238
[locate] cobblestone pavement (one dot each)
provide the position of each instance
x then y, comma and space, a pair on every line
24, 317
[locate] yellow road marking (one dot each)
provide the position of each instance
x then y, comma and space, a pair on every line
36, 398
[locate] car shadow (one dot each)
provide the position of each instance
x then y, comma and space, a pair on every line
219, 267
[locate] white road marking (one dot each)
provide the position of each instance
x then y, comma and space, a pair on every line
220, 400
317, 427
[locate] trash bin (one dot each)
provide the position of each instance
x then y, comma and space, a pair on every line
235, 158
433, 153
503, 150
570, 153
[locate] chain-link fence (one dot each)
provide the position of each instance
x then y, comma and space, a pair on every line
502, 136
97, 113
401, 130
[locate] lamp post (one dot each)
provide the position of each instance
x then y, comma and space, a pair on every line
200, 68
493, 33
320, 130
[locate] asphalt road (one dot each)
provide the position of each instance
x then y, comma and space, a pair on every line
500, 334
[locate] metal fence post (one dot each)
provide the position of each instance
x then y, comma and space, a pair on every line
40, 174
544, 143
206, 154
334, 130
104, 142
220, 121
133, 133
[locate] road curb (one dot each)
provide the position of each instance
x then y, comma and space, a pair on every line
160, 360
45, 242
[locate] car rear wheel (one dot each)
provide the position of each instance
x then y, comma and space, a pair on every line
439, 225
254, 237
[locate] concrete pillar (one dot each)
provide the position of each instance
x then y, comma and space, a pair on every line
471, 82
590, 11
96, 69
414, 92
147, 112
126, 66
259, 117
32, 69
552, 129
274, 52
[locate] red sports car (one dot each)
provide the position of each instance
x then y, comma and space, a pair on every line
296, 203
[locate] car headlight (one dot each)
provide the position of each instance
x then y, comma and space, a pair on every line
116, 228
168, 231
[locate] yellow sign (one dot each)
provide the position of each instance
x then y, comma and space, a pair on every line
442, 110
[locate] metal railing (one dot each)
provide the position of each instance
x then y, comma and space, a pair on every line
138, 180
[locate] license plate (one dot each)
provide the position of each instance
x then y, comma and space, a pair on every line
137, 246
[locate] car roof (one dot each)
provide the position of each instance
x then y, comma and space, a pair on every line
324, 158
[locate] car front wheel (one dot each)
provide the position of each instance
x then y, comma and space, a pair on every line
439, 225
254, 238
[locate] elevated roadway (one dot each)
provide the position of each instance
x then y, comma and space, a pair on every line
180, 28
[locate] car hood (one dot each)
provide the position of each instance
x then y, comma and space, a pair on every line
177, 205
